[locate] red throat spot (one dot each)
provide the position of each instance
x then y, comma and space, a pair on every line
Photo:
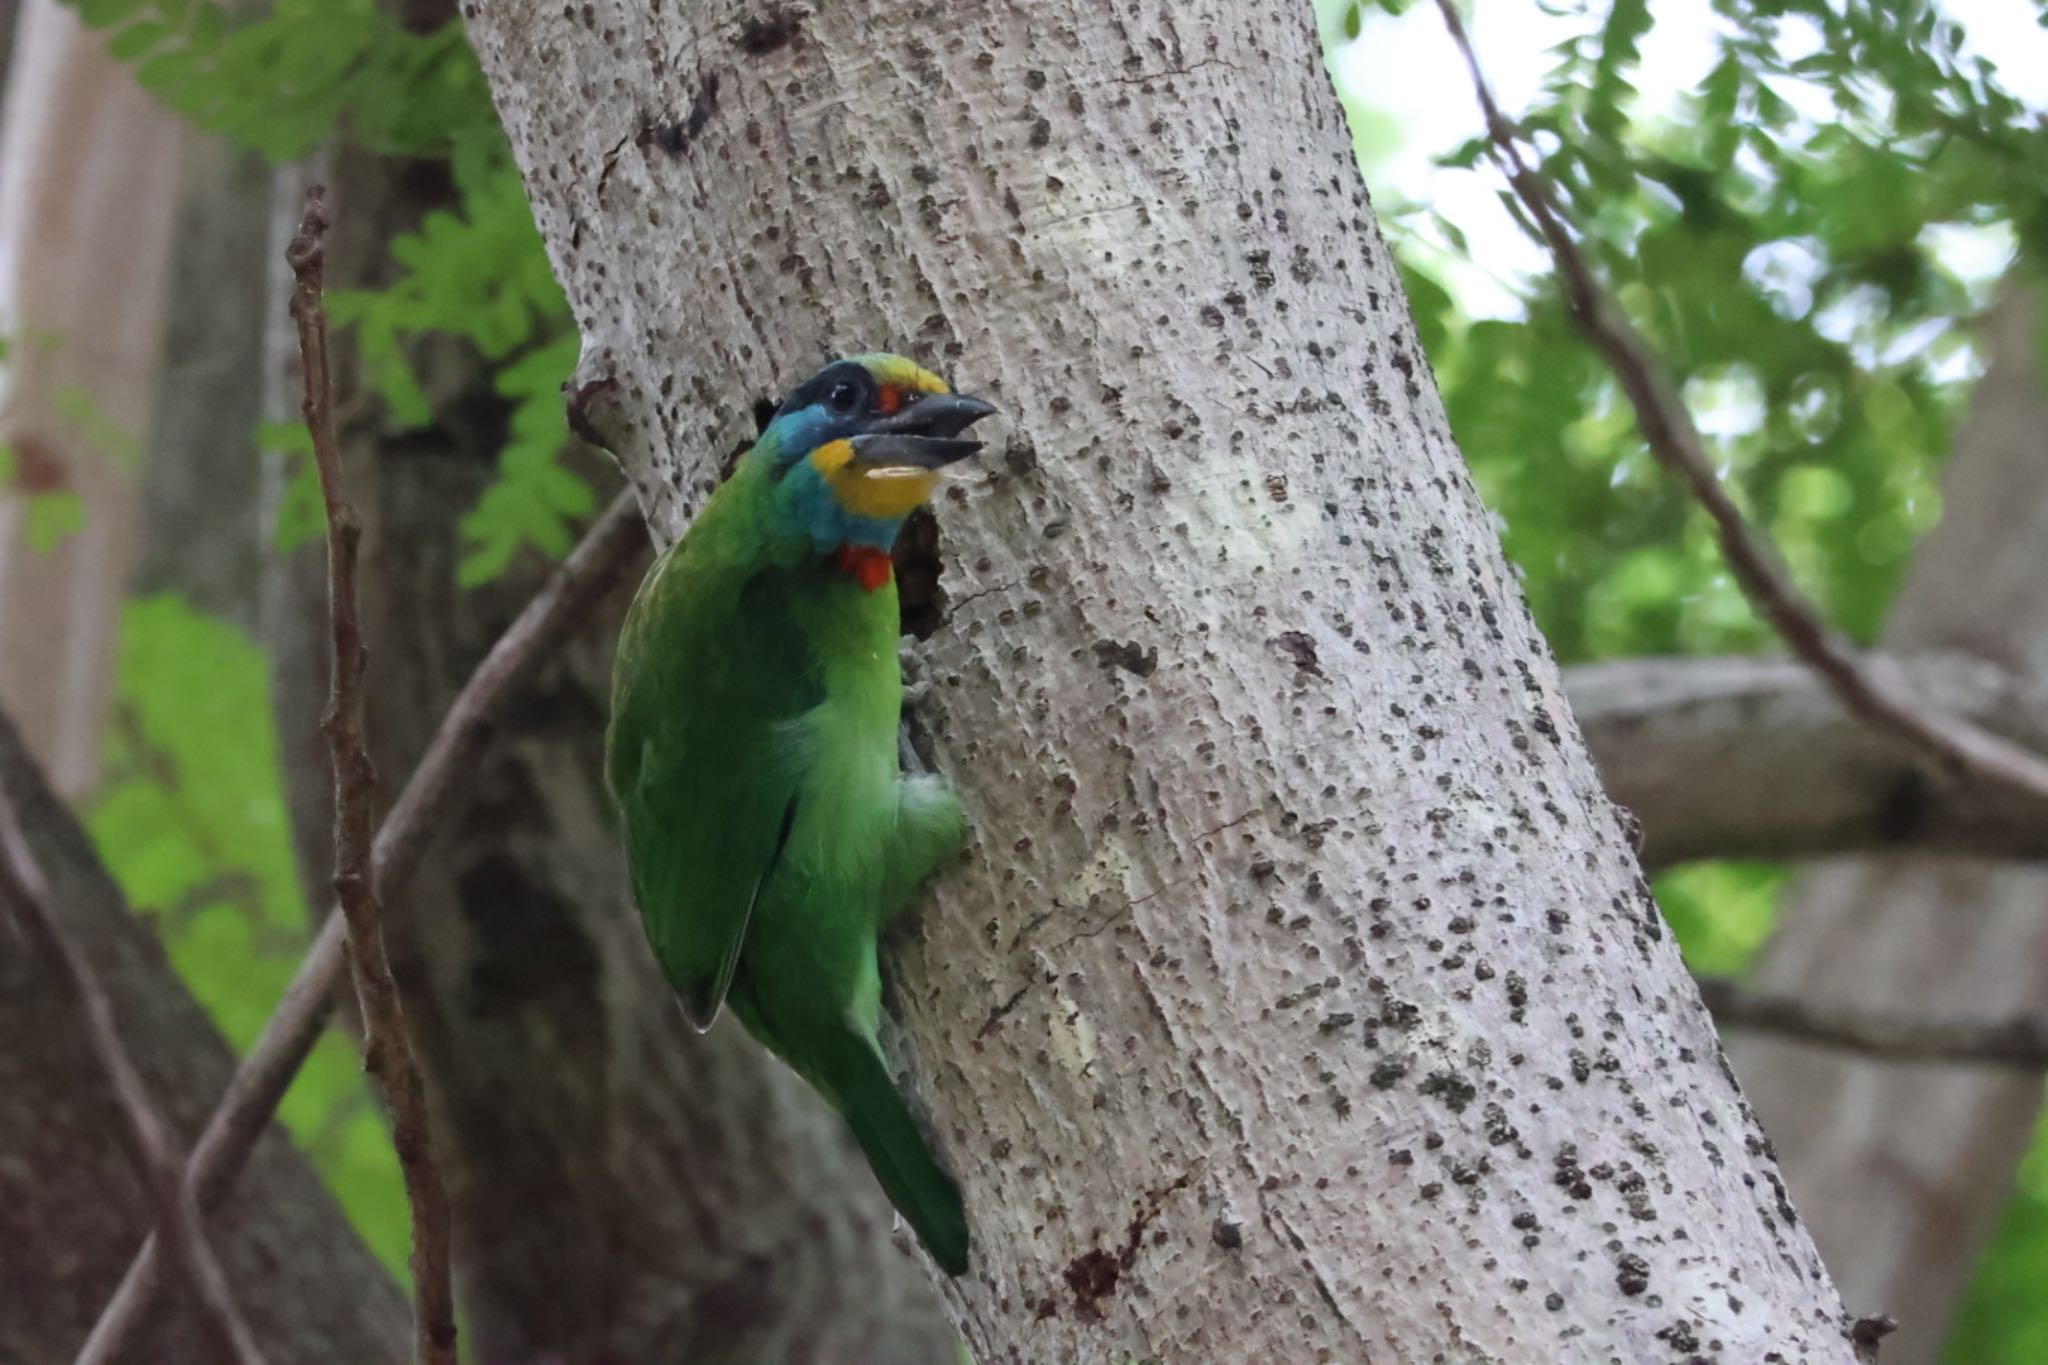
866, 565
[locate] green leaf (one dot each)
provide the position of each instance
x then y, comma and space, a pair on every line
51, 517
136, 39
1721, 912
1621, 39
302, 510
106, 13
103, 437
209, 26
168, 74
484, 562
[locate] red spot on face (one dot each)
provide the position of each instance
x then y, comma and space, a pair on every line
866, 565
889, 399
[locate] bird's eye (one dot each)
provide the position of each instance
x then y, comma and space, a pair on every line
843, 397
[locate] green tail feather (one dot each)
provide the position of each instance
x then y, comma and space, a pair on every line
923, 1193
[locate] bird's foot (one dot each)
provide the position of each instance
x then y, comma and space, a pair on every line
916, 685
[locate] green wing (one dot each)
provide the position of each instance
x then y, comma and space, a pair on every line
710, 678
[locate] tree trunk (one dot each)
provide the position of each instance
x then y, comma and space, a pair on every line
88, 190
204, 531
71, 1209
623, 1189
1301, 999
1904, 1169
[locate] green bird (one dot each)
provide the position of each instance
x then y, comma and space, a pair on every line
755, 702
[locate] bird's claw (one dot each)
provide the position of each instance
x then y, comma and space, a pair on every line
916, 686
917, 689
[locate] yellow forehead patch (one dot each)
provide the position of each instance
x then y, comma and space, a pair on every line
904, 374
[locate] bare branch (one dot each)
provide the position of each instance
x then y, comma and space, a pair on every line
388, 1053
1865, 686
152, 1148
1756, 757
251, 1098
2019, 1043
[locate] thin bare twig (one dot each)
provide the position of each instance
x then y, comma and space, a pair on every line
388, 1052
152, 1148
252, 1096
1866, 688
2019, 1043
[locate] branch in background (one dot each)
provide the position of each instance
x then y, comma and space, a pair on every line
388, 1052
151, 1147
1743, 757
251, 1098
1866, 687
2018, 1044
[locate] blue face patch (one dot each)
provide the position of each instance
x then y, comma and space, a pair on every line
794, 435
810, 506
834, 403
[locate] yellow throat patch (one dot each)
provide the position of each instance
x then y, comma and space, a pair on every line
880, 492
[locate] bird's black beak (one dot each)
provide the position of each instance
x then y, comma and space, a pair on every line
925, 434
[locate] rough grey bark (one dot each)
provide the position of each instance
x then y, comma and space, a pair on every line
71, 1209
1301, 998
623, 1189
1905, 1169
1747, 757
